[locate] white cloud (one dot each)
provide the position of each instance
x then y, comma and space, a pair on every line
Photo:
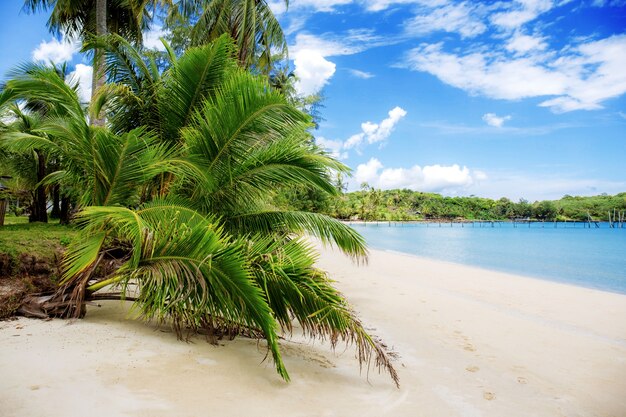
457, 18
370, 133
523, 44
373, 132
582, 77
310, 54
493, 120
492, 75
56, 51
151, 38
277, 7
380, 5
523, 12
431, 178
334, 147
313, 71
82, 76
316, 5
351, 42
361, 74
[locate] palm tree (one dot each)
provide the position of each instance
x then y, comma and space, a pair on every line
208, 250
87, 18
251, 23
31, 165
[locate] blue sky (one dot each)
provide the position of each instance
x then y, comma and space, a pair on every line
516, 99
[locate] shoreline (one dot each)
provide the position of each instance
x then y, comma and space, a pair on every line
500, 271
472, 343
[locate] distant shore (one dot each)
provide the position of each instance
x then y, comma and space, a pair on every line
472, 342
555, 223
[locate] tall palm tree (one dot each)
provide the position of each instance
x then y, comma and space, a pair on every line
251, 23
87, 18
29, 166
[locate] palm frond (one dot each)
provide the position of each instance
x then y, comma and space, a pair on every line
296, 289
190, 81
327, 229
189, 272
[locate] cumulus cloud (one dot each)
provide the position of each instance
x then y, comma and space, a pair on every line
493, 120
374, 132
431, 178
56, 51
310, 53
370, 133
81, 76
459, 18
313, 71
579, 77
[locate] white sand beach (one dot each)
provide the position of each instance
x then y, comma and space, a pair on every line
473, 343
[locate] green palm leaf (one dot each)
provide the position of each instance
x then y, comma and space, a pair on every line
296, 289
188, 271
327, 229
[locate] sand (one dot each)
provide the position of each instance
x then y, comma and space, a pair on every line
472, 343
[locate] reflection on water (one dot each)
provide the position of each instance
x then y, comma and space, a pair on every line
593, 257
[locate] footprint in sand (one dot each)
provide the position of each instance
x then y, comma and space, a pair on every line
469, 347
466, 341
472, 369
489, 396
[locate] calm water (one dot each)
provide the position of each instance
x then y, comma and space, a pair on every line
594, 258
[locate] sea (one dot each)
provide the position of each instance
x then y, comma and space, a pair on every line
574, 253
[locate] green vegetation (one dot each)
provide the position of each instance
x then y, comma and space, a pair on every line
177, 189
43, 242
405, 205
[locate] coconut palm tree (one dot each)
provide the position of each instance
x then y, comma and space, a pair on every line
31, 165
251, 23
87, 18
208, 250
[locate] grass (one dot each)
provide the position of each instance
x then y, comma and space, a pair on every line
10, 220
43, 241
29, 259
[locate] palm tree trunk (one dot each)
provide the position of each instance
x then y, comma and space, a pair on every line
64, 213
38, 211
56, 200
99, 79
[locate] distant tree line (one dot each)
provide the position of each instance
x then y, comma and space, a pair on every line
401, 205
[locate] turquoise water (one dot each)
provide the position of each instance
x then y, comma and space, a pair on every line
594, 258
